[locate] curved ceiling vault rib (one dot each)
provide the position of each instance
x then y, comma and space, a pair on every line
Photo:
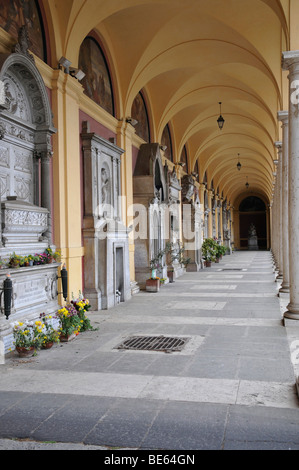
229, 179
231, 166
235, 134
181, 105
151, 70
234, 187
201, 148
181, 70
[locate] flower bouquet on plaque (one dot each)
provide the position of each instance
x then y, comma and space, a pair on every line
70, 323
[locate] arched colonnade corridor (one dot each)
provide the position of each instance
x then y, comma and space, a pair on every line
156, 104
132, 133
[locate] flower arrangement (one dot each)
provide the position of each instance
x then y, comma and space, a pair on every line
82, 306
27, 335
48, 334
70, 322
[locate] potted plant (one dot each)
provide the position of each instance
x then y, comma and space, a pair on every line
48, 334
57, 256
30, 260
82, 306
170, 274
209, 250
70, 323
153, 283
14, 260
27, 337
221, 250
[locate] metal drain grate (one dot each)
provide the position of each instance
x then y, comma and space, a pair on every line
232, 269
154, 343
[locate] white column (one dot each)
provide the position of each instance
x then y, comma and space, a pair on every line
278, 146
283, 116
291, 63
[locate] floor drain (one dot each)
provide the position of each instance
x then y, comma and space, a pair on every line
154, 343
232, 269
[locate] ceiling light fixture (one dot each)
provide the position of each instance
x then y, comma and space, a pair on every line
220, 120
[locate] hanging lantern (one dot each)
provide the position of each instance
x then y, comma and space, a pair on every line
220, 120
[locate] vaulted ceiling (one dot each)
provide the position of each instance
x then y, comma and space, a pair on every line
189, 55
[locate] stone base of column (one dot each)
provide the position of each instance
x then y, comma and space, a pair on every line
285, 288
292, 312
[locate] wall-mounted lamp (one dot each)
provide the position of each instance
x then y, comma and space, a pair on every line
132, 121
64, 277
77, 73
63, 62
180, 164
163, 147
6, 292
195, 175
220, 120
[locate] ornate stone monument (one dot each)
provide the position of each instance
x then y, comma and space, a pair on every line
191, 223
150, 196
106, 242
25, 152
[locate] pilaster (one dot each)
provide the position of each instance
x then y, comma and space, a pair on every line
67, 183
125, 134
283, 117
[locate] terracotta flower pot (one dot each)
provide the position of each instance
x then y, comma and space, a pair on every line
47, 345
208, 264
66, 338
24, 352
152, 285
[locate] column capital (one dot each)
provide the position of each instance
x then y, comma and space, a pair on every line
283, 116
290, 59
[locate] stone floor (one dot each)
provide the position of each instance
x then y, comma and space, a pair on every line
231, 387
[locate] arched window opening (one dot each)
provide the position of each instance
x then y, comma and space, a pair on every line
253, 218
97, 81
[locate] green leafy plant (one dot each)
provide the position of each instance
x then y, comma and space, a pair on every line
69, 320
27, 334
209, 249
48, 333
221, 250
82, 306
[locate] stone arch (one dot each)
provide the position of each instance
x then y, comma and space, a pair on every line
252, 210
26, 128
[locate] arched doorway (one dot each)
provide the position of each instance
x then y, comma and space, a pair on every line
253, 212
